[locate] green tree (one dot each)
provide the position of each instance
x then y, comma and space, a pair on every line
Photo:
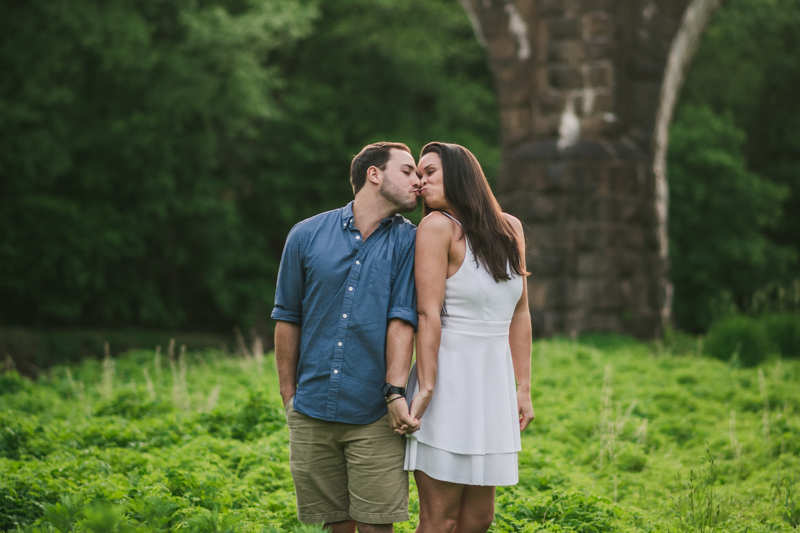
125, 129
742, 81
373, 70
718, 212
747, 65
153, 156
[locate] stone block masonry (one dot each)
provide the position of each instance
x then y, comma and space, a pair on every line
580, 85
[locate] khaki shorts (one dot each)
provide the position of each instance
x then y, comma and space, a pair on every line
347, 471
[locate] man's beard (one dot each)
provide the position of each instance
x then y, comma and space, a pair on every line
397, 196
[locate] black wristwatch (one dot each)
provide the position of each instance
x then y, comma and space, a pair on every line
389, 389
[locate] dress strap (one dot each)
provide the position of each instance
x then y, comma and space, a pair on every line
451, 217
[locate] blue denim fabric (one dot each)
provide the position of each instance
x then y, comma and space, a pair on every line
343, 291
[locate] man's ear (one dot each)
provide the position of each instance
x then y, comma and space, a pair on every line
373, 176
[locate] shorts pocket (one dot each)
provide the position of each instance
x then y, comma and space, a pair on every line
288, 410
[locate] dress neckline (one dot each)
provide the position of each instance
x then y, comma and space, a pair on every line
451, 217
467, 249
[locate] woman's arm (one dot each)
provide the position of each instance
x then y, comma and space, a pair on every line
430, 272
519, 337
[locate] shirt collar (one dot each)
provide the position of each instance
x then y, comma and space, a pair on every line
347, 216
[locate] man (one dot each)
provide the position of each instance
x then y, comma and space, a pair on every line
345, 308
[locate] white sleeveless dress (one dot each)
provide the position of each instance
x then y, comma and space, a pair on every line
470, 431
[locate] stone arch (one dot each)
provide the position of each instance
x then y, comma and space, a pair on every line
586, 90
684, 45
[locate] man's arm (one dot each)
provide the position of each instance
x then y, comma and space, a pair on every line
288, 313
399, 345
287, 355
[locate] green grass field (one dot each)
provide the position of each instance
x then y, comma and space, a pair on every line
628, 437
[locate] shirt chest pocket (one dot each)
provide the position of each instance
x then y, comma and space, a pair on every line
380, 279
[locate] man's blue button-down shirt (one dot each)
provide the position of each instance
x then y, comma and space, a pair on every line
343, 291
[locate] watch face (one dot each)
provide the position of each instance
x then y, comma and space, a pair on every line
385, 390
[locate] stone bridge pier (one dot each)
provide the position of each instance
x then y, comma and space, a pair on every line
586, 90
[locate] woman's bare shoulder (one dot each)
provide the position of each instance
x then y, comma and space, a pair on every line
436, 223
514, 221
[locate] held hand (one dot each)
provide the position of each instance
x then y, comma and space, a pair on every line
419, 405
526, 415
399, 419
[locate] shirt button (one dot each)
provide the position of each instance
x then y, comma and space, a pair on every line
344, 315
335, 371
349, 288
340, 344
358, 262
358, 237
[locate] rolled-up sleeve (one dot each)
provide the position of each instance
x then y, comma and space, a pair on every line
289, 292
403, 297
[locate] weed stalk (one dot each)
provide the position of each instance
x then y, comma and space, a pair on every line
107, 386
736, 448
641, 433
258, 350
606, 424
697, 509
151, 390
241, 344
213, 398
157, 366
762, 387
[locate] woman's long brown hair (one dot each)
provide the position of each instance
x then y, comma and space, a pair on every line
490, 235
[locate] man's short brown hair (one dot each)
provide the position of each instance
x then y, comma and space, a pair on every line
372, 155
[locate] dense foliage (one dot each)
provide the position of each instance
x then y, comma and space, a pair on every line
734, 162
719, 214
200, 444
154, 156
128, 131
750, 341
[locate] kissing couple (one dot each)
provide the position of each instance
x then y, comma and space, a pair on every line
355, 286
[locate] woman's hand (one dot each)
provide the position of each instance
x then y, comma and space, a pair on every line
419, 404
399, 419
526, 415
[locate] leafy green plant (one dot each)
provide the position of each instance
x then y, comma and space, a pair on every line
103, 517
570, 510
787, 494
740, 338
126, 468
158, 512
16, 434
65, 513
697, 508
128, 403
784, 331
10, 382
206, 521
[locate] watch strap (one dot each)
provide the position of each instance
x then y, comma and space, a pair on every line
389, 389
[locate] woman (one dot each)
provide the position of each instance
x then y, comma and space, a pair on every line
473, 341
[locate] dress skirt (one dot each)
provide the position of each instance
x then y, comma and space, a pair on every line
470, 431
494, 469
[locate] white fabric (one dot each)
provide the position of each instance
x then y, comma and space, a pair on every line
470, 431
494, 469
